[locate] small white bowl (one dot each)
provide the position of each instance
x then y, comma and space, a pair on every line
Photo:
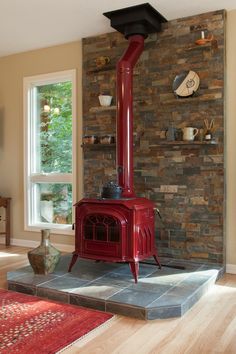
105, 100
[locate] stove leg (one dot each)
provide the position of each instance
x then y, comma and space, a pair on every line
155, 256
73, 260
134, 267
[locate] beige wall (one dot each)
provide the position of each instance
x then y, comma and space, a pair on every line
12, 70
64, 57
231, 138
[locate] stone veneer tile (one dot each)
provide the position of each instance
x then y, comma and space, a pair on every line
97, 304
125, 310
168, 300
164, 312
199, 292
22, 288
52, 294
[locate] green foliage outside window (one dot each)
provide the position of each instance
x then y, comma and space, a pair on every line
55, 145
56, 128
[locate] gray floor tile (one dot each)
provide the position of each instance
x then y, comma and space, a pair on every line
116, 279
64, 284
168, 300
134, 297
187, 265
144, 270
97, 290
19, 273
34, 279
147, 287
168, 278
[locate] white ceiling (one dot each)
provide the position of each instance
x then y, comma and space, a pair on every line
33, 24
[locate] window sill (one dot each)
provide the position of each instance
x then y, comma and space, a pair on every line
55, 229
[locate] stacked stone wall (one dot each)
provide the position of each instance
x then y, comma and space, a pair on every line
186, 182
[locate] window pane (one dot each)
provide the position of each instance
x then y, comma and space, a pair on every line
49, 147
54, 127
55, 202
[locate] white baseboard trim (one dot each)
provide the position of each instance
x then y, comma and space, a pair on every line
231, 268
33, 244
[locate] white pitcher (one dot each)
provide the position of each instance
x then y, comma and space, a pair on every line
189, 133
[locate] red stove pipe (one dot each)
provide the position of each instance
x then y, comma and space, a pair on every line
124, 121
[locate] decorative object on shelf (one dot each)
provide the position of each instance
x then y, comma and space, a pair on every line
201, 134
189, 133
111, 190
209, 129
171, 133
186, 84
179, 134
102, 61
45, 257
89, 139
105, 100
107, 139
205, 39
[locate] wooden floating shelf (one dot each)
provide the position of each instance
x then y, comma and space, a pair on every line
161, 143
101, 70
194, 99
97, 146
174, 100
200, 143
102, 109
199, 44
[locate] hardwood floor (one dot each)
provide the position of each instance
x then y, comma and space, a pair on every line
209, 327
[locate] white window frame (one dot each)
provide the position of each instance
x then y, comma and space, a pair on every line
30, 177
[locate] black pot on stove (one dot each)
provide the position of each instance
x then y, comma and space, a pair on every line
111, 190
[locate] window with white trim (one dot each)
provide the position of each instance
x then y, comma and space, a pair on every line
49, 109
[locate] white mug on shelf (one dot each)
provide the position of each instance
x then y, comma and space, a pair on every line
105, 100
189, 133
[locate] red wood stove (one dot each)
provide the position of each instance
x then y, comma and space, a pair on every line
121, 229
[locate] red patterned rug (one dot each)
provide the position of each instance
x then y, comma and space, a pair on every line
35, 326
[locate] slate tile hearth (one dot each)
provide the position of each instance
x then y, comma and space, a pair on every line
165, 293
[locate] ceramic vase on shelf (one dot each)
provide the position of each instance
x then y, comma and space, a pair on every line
45, 257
